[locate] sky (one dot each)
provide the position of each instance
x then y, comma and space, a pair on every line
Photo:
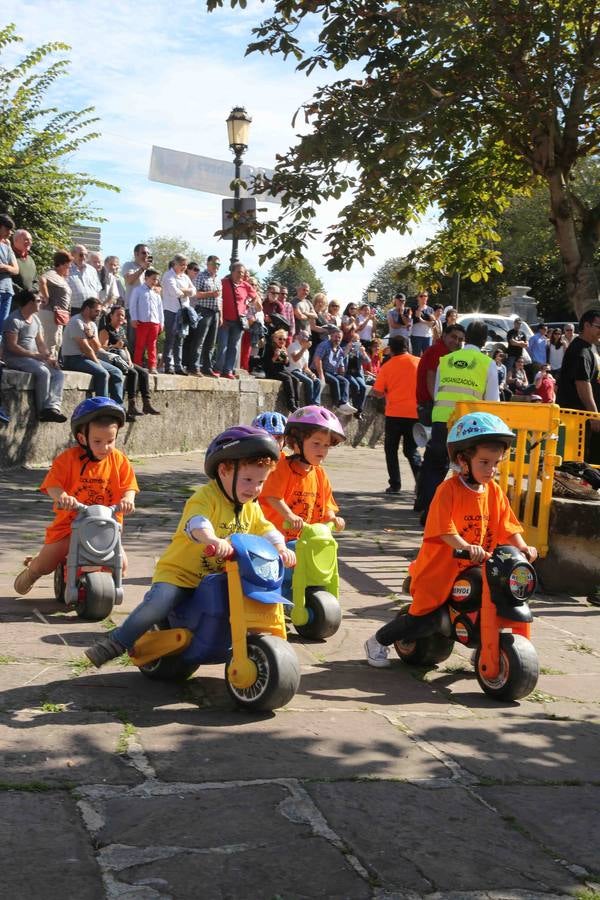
169, 74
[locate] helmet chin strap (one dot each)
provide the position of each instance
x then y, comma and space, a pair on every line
87, 455
237, 505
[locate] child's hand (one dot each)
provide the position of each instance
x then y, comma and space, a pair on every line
477, 553
531, 553
127, 507
66, 501
219, 548
294, 523
339, 523
288, 557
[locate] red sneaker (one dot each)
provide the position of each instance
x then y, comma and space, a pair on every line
229, 375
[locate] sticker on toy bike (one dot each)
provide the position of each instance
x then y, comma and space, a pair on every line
235, 617
89, 580
487, 610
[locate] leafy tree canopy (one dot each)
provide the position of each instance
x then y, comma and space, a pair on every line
292, 271
449, 104
165, 246
36, 189
389, 279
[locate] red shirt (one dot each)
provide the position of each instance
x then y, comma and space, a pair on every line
429, 363
235, 298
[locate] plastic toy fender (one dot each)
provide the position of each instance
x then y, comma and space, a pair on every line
316, 564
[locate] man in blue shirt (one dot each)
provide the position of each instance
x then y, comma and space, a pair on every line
538, 346
329, 363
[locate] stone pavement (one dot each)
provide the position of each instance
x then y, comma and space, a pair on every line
372, 783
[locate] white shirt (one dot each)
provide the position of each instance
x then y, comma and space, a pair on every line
492, 388
127, 269
83, 284
173, 287
301, 363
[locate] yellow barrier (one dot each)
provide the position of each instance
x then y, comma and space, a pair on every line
527, 475
574, 421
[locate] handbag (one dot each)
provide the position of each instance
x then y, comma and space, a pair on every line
244, 323
61, 316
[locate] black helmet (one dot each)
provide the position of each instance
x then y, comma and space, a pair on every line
239, 442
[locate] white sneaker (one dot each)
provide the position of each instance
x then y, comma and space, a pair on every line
347, 408
377, 654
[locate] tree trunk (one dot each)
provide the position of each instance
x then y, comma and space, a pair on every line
577, 246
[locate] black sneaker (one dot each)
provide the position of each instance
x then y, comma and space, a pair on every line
392, 490
51, 415
103, 651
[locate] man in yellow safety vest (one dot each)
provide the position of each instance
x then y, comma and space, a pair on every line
466, 375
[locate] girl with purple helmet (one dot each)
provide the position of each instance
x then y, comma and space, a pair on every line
298, 490
237, 463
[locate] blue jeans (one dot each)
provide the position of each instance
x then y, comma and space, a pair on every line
107, 380
313, 387
434, 467
339, 386
158, 602
419, 344
358, 390
205, 337
48, 380
228, 342
6, 299
172, 345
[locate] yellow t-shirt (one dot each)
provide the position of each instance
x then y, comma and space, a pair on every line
183, 563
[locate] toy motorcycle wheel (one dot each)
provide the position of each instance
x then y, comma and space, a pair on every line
168, 668
59, 583
425, 651
96, 596
325, 615
278, 674
519, 669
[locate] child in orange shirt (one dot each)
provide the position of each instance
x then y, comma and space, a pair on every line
298, 491
468, 512
92, 472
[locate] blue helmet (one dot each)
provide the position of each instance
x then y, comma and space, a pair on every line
95, 408
273, 422
239, 442
476, 428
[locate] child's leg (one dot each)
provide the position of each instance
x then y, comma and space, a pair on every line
154, 608
158, 602
44, 563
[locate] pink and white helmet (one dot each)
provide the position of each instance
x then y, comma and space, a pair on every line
307, 418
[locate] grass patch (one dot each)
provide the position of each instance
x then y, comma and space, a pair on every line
80, 666
124, 660
28, 535
33, 787
587, 894
53, 707
127, 732
538, 696
108, 624
7, 660
548, 670
457, 668
582, 648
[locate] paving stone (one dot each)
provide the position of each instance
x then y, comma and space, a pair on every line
300, 745
62, 748
46, 852
558, 817
428, 840
535, 749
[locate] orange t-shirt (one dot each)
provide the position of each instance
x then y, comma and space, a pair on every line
308, 494
397, 379
480, 518
91, 482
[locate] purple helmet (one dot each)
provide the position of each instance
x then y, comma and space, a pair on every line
239, 442
310, 417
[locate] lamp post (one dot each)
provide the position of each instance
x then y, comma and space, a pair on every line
372, 294
238, 129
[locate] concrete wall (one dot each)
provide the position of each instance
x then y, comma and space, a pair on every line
573, 561
193, 410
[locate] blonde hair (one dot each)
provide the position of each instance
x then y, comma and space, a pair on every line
281, 332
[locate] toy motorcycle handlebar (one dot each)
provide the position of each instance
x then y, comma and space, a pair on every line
464, 554
116, 507
211, 551
287, 524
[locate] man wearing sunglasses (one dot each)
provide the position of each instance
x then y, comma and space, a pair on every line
208, 305
83, 279
579, 386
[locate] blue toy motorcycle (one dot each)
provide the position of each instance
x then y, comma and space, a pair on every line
236, 617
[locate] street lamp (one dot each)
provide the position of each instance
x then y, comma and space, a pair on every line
238, 129
372, 293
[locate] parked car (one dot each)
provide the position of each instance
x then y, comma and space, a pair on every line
498, 328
